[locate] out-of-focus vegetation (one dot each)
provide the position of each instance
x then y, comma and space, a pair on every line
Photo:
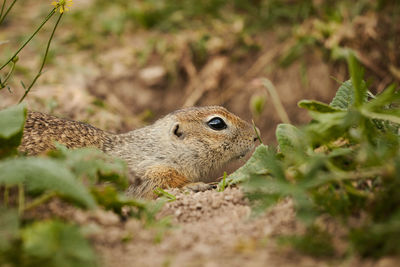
86, 178
344, 164
237, 27
328, 25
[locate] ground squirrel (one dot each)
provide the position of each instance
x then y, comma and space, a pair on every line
179, 149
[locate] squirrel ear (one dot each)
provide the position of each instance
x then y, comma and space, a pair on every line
177, 132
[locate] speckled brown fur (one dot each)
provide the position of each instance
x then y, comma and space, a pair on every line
176, 150
42, 131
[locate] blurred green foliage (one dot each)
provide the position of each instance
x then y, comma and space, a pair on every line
49, 243
85, 177
168, 15
314, 242
344, 163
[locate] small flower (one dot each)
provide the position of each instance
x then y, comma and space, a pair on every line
63, 5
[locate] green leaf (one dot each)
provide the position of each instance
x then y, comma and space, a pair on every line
379, 108
93, 164
329, 126
108, 197
344, 97
262, 162
317, 106
254, 165
12, 122
41, 174
54, 243
289, 138
387, 115
388, 96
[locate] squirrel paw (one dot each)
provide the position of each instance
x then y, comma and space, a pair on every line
199, 187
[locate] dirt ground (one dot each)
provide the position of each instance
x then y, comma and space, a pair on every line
206, 229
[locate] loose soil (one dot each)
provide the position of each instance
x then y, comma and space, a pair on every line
207, 229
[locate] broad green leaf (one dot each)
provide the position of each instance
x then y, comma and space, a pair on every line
12, 122
344, 97
262, 162
329, 125
290, 139
317, 106
41, 174
254, 165
388, 96
55, 244
93, 164
388, 115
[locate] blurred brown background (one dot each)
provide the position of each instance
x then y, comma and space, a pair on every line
122, 64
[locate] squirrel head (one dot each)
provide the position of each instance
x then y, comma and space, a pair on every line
210, 137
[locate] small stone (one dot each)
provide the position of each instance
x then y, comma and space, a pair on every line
153, 75
228, 198
178, 212
106, 217
215, 204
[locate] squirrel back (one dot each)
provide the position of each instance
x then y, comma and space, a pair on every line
42, 131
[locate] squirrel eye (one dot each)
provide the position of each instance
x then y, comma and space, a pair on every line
217, 123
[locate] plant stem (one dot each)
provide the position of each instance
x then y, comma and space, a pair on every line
2, 8
161, 192
6, 195
44, 59
223, 184
3, 83
29, 39
276, 101
21, 198
40, 200
8, 10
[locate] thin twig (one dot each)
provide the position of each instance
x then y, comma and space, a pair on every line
44, 59
6, 195
161, 192
4, 82
21, 198
29, 39
276, 101
2, 8
40, 200
8, 10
